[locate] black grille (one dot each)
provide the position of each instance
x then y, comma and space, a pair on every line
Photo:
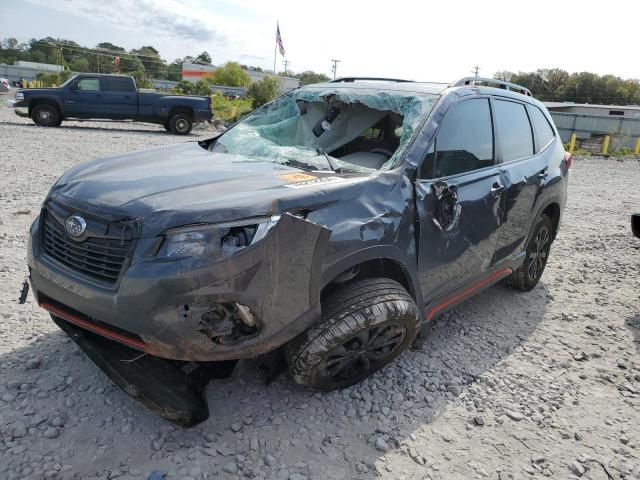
99, 258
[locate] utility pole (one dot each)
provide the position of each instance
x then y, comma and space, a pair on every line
475, 70
286, 64
335, 67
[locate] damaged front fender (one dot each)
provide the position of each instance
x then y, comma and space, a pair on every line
244, 305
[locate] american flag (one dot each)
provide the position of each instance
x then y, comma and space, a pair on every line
279, 40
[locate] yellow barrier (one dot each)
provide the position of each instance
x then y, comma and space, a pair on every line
637, 152
605, 145
572, 143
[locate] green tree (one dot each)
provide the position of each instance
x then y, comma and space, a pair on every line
264, 91
308, 77
204, 58
183, 88
201, 88
230, 74
80, 65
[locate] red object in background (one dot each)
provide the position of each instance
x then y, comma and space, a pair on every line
116, 63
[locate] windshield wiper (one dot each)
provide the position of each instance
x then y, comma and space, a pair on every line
330, 161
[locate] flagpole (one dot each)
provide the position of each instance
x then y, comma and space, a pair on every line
275, 50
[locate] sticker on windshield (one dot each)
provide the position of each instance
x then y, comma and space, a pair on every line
297, 177
315, 181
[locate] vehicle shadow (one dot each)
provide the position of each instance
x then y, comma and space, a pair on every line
312, 433
633, 324
116, 128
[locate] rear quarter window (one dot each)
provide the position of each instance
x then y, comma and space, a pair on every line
544, 132
514, 130
118, 85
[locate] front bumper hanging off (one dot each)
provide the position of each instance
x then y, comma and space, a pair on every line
143, 339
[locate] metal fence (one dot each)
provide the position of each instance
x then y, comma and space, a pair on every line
592, 131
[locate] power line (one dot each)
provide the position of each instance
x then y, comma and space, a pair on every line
475, 71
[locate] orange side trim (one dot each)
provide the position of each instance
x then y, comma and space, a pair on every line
467, 291
71, 318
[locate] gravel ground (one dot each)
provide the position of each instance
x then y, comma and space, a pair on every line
510, 385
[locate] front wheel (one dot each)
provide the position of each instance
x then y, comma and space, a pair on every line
527, 276
46, 116
180, 124
365, 325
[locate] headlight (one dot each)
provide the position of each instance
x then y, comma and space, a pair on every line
19, 96
214, 240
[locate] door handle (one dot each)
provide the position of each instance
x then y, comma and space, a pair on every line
544, 173
497, 189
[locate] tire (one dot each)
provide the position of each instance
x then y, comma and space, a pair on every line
180, 124
356, 319
527, 276
46, 116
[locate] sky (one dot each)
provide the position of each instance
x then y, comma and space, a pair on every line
416, 40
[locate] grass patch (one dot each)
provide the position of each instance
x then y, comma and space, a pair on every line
229, 110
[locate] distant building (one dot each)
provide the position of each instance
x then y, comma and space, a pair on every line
591, 123
593, 109
40, 67
27, 70
192, 72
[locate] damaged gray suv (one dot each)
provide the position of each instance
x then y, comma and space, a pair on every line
327, 229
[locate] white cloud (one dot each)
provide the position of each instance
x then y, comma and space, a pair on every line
408, 39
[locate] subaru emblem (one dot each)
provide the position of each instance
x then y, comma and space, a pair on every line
75, 225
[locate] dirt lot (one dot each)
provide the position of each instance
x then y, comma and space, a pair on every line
510, 385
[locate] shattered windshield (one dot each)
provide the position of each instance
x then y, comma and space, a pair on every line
331, 129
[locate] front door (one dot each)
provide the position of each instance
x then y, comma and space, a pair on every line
458, 196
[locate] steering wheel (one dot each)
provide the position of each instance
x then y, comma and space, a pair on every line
383, 151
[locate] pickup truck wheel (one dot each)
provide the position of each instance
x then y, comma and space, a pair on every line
180, 124
527, 276
45, 116
365, 325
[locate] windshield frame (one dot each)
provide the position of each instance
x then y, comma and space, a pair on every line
69, 80
426, 99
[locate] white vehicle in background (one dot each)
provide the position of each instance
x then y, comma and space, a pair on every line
4, 85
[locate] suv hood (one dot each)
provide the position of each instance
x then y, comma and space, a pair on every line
184, 183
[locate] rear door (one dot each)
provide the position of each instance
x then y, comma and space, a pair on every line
84, 98
458, 196
523, 169
120, 97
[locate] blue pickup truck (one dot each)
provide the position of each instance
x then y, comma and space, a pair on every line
115, 97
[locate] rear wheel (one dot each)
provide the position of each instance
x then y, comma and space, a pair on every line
365, 325
180, 124
46, 116
527, 276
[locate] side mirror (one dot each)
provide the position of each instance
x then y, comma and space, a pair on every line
73, 87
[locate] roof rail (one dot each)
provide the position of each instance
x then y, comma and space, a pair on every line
359, 79
501, 84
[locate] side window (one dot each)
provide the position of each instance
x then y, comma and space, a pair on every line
118, 85
514, 130
464, 141
89, 84
543, 130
